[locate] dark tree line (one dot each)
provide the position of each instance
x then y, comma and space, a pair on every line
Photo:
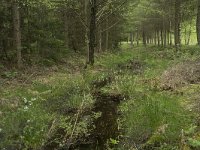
40, 29
31, 30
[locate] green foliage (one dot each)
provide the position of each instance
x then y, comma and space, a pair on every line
25, 128
146, 115
112, 60
191, 130
9, 74
113, 142
194, 143
150, 117
47, 62
1, 66
149, 113
30, 124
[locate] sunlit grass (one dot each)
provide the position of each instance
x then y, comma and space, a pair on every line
148, 108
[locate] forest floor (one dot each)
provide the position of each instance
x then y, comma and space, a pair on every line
140, 98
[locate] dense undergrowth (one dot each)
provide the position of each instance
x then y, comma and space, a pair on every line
53, 109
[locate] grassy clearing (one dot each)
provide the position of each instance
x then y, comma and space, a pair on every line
38, 109
32, 113
150, 117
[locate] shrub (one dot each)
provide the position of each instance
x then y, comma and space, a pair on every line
184, 73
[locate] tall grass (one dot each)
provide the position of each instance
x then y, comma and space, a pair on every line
148, 108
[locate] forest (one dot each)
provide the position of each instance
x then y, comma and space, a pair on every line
99, 74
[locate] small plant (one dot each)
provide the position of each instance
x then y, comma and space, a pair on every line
9, 74
113, 141
194, 143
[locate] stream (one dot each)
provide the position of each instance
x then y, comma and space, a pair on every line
106, 126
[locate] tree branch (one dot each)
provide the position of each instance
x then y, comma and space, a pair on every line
81, 19
111, 26
109, 14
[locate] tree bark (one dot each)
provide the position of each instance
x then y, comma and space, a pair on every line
168, 37
100, 39
198, 24
86, 29
66, 28
165, 38
155, 38
147, 40
161, 35
107, 35
144, 37
170, 34
131, 39
137, 37
92, 32
177, 31
189, 34
185, 36
158, 36
4, 49
17, 32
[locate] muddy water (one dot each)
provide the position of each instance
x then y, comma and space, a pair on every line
106, 126
103, 128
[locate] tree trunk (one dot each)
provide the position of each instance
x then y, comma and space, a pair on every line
137, 38
189, 34
92, 32
66, 28
185, 36
177, 31
161, 35
168, 37
131, 39
165, 38
144, 38
158, 35
107, 35
28, 38
86, 29
17, 32
170, 34
198, 24
4, 49
155, 38
147, 40
100, 39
